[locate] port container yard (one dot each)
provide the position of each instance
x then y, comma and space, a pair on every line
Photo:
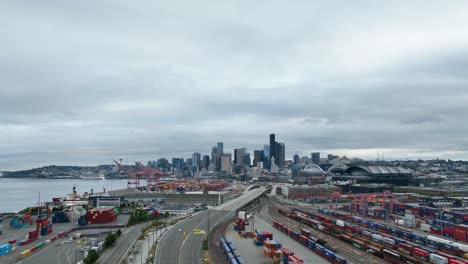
362, 233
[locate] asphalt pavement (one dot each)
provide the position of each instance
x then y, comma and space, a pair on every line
184, 246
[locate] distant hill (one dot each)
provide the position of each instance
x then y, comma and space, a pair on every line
56, 172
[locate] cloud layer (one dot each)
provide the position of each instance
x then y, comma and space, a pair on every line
86, 82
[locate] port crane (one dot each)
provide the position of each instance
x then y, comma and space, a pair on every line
134, 177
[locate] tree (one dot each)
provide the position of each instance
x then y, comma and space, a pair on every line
92, 257
110, 240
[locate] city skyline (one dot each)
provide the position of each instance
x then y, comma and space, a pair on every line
129, 80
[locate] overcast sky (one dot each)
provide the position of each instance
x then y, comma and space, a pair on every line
85, 82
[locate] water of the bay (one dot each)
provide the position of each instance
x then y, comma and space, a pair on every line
17, 194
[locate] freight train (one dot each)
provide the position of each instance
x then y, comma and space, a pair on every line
312, 243
381, 244
434, 242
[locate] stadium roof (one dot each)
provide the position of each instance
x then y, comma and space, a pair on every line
377, 170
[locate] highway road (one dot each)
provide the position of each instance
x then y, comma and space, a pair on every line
184, 247
59, 251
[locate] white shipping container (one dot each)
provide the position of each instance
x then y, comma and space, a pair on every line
376, 237
340, 223
436, 259
462, 247
388, 241
425, 227
400, 222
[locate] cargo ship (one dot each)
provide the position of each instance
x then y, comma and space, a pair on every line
93, 176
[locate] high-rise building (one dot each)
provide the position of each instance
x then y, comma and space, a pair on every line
266, 156
246, 159
196, 158
296, 159
226, 164
215, 158
205, 161
258, 157
188, 162
220, 148
315, 156
178, 163
163, 164
281, 154
273, 150
238, 156
305, 160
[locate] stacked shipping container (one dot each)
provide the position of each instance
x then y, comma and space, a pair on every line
61, 217
21, 220
101, 216
260, 237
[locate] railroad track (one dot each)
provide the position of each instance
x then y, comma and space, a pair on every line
269, 212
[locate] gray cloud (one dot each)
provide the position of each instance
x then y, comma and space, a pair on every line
87, 82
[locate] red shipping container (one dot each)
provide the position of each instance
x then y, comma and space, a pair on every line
287, 252
420, 253
454, 261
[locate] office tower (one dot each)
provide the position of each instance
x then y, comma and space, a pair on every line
188, 162
281, 155
178, 163
296, 159
315, 156
246, 159
220, 148
305, 160
226, 164
196, 158
205, 161
214, 158
238, 156
258, 157
162, 163
266, 156
273, 147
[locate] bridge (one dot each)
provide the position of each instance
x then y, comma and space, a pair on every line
180, 245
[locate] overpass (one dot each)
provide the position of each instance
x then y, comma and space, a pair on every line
184, 246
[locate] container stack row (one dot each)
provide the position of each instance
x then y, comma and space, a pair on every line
101, 216
239, 224
260, 237
312, 243
82, 220
230, 252
32, 235
21, 220
271, 246
61, 217
46, 229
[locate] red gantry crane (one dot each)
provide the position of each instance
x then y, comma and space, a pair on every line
133, 177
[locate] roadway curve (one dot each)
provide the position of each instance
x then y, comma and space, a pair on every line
184, 247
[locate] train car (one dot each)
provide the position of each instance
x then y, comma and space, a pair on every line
418, 239
462, 247
405, 248
377, 238
420, 253
437, 259
391, 256
339, 260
